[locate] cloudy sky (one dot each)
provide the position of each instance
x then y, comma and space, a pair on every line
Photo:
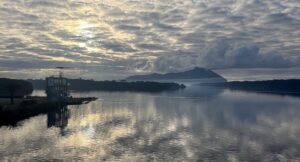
111, 39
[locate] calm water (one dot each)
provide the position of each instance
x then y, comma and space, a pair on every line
196, 124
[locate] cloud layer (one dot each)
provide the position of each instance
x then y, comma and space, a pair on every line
115, 38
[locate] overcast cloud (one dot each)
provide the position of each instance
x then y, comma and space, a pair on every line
115, 38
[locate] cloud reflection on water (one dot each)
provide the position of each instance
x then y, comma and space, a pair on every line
226, 126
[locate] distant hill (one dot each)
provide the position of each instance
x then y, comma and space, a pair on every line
17, 88
196, 73
290, 86
91, 85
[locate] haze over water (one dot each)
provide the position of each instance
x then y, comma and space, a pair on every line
198, 123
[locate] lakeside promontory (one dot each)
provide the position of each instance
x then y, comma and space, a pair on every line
134, 86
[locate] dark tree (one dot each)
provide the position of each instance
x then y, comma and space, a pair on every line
12, 88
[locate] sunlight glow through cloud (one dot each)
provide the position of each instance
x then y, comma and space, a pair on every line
128, 36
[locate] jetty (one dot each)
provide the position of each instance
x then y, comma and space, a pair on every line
58, 96
11, 114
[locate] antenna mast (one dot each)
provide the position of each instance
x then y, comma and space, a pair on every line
60, 72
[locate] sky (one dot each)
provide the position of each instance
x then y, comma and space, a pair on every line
112, 39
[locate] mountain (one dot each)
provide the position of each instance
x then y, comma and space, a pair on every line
196, 73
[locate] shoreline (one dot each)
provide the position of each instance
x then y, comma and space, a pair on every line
289, 87
11, 114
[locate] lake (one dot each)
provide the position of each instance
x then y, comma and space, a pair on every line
196, 124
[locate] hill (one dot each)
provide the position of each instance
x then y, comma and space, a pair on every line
290, 86
196, 73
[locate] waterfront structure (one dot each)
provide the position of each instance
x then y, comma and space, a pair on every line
57, 88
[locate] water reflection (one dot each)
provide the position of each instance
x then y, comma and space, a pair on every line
58, 118
220, 126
